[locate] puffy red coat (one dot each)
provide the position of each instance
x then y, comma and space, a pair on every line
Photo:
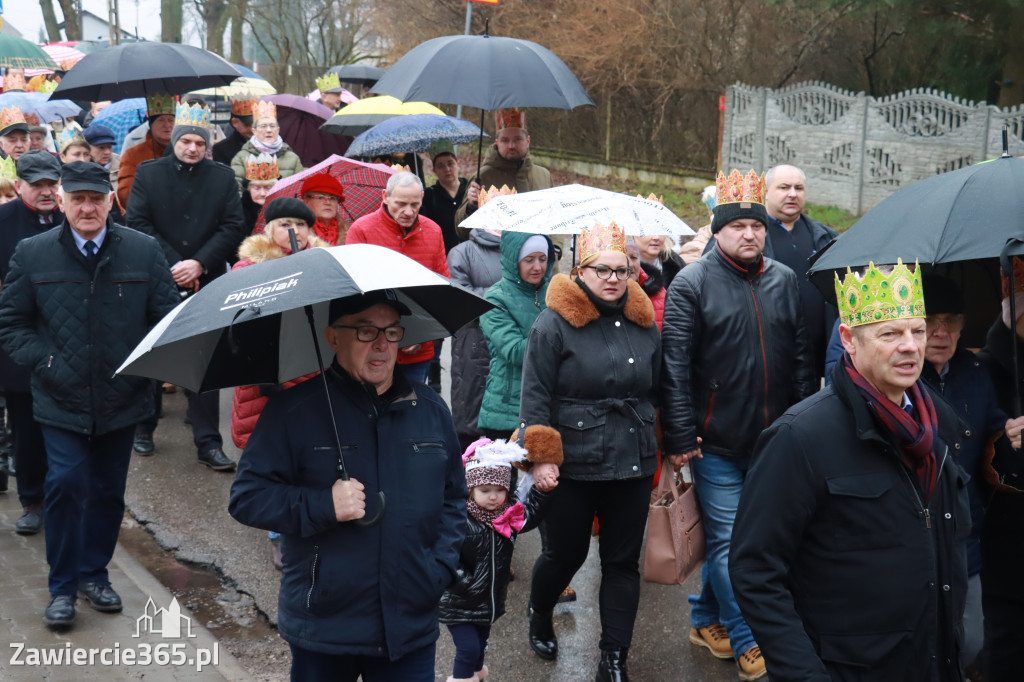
424, 243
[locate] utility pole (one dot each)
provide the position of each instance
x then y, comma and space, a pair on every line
114, 21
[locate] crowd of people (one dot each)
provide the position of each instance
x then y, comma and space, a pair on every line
853, 462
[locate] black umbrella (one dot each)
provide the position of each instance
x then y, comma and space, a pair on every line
140, 69
364, 74
487, 72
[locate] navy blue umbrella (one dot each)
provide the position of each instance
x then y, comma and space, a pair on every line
413, 133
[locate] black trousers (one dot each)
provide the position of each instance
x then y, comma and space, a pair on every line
28, 448
621, 507
1004, 637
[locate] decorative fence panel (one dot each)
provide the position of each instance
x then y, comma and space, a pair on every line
855, 149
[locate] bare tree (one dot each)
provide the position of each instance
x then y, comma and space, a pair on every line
170, 21
71, 27
50, 21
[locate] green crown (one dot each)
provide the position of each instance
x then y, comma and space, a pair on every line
878, 297
159, 105
328, 82
7, 168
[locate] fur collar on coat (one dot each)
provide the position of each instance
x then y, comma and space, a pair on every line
567, 299
258, 248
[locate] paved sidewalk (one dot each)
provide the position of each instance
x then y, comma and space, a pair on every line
24, 595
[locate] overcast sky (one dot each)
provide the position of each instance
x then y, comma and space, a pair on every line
26, 16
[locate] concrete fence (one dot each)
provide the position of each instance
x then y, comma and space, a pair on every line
855, 149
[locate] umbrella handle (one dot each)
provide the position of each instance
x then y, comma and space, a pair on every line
369, 521
295, 249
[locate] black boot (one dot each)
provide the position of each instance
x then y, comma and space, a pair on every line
542, 635
612, 667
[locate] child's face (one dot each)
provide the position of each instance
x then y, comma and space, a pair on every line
8, 196
489, 497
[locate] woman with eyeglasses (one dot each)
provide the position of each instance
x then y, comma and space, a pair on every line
590, 377
266, 139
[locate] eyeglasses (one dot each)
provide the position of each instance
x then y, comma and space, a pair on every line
951, 323
267, 126
605, 272
316, 196
368, 333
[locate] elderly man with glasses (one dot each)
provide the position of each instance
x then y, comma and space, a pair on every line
358, 599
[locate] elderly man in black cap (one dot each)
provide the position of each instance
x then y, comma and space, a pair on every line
77, 300
34, 211
191, 205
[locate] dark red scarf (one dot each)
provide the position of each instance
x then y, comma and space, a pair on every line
327, 232
915, 434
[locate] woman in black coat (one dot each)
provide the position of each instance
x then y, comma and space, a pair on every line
589, 379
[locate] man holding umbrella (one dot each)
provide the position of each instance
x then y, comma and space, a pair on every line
105, 286
358, 598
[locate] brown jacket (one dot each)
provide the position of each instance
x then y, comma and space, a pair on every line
130, 160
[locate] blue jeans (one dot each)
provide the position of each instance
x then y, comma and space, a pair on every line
719, 481
312, 666
416, 372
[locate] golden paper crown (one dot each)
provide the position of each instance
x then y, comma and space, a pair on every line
510, 118
14, 79
652, 197
261, 168
877, 297
192, 115
1018, 278
8, 169
399, 168
328, 82
66, 64
738, 188
601, 238
488, 194
10, 116
265, 109
158, 105
32, 119
70, 135
243, 104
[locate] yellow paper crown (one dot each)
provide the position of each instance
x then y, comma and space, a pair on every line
49, 86
399, 168
158, 105
8, 169
243, 104
601, 238
14, 79
70, 135
877, 297
10, 116
510, 118
192, 115
738, 188
328, 82
262, 168
265, 109
488, 194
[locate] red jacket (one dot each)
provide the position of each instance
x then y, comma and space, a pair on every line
423, 243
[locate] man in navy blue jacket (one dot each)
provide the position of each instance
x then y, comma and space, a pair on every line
358, 599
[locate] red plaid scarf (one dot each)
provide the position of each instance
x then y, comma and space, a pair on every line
915, 434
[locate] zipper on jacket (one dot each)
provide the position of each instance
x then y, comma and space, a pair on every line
494, 570
312, 575
924, 509
764, 354
49, 363
416, 446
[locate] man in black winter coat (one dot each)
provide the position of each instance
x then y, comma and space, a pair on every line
191, 205
78, 298
735, 358
848, 555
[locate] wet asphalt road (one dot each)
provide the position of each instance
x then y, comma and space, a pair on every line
184, 505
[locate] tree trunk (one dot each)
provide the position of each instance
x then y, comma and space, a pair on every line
71, 27
239, 9
50, 21
170, 21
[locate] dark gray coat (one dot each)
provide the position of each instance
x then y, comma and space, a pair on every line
474, 265
594, 378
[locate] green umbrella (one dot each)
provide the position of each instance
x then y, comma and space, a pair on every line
18, 53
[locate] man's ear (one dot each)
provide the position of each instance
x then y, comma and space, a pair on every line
846, 335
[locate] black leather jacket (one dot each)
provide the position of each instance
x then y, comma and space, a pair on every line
734, 354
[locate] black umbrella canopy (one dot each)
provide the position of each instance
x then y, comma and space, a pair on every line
140, 69
363, 74
487, 72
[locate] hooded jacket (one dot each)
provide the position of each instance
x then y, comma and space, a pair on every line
506, 329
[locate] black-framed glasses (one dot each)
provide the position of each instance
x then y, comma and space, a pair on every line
368, 333
951, 323
605, 272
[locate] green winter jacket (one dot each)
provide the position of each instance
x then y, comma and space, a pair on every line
506, 328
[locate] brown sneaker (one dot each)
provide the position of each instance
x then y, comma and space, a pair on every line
715, 638
751, 664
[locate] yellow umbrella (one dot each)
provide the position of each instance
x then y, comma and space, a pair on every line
257, 87
366, 113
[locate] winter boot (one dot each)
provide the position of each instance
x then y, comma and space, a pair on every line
612, 667
542, 634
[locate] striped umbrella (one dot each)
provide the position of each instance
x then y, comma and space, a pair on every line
65, 57
18, 53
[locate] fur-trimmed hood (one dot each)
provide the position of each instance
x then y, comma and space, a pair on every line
566, 298
258, 248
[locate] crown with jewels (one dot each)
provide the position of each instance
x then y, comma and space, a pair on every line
488, 194
878, 297
652, 197
600, 238
70, 135
262, 168
440, 146
159, 105
328, 82
10, 116
736, 188
510, 118
14, 79
32, 119
192, 115
48, 87
265, 109
8, 169
243, 104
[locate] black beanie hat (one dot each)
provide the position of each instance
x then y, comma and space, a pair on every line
288, 207
726, 213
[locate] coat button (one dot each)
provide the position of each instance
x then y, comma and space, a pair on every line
579, 424
948, 515
617, 323
945, 588
967, 433
631, 361
414, 403
636, 468
632, 430
184, 243
956, 446
931, 584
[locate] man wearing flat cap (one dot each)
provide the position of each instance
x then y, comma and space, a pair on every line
848, 554
77, 300
191, 205
358, 599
